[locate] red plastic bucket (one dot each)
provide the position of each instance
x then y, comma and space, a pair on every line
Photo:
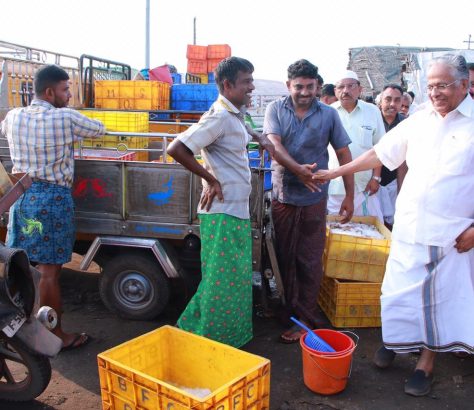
327, 373
342, 343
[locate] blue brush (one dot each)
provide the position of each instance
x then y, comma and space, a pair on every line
312, 340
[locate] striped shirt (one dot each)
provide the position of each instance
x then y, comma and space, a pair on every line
221, 138
41, 139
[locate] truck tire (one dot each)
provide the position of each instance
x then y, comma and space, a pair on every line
134, 287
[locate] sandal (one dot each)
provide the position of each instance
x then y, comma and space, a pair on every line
292, 335
79, 340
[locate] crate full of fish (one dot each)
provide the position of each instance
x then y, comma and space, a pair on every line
357, 250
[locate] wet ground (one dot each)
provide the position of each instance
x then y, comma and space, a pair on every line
75, 382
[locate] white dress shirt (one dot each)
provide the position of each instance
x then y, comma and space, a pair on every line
436, 202
365, 127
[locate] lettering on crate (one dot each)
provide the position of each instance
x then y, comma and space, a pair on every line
145, 396
122, 383
250, 390
237, 399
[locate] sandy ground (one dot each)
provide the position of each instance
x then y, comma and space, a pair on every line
75, 382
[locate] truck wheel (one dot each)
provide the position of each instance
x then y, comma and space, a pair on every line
134, 287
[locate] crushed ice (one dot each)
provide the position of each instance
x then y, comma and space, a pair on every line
355, 229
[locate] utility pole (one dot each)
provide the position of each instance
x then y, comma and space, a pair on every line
194, 31
468, 42
147, 35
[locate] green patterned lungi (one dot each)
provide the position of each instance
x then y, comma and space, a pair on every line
221, 309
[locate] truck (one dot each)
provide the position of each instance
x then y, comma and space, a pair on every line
137, 220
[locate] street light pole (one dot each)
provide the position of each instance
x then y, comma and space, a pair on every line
468, 42
147, 35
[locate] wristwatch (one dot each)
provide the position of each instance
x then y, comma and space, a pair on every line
378, 179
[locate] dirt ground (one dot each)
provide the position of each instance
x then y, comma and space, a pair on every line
75, 382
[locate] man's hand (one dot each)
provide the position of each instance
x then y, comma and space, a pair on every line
212, 190
465, 241
347, 209
372, 187
321, 176
305, 175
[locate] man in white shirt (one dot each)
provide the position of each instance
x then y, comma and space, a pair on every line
428, 289
364, 124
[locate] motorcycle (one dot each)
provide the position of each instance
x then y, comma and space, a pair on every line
26, 343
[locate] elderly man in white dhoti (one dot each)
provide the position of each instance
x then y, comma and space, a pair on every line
428, 289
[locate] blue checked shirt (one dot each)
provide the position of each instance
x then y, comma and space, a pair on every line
41, 140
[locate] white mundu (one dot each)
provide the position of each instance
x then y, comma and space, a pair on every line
428, 289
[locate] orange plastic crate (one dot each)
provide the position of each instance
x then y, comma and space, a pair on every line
218, 51
195, 52
212, 64
197, 66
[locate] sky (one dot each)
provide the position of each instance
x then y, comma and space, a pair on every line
272, 34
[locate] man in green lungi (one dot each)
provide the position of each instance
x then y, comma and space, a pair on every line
221, 309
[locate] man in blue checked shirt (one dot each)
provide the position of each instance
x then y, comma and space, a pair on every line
41, 138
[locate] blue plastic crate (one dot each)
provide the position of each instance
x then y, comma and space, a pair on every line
176, 77
254, 161
193, 97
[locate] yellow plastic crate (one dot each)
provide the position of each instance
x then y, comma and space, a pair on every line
117, 121
350, 304
353, 258
132, 94
120, 121
204, 78
167, 128
153, 370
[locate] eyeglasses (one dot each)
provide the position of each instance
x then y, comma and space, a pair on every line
440, 87
350, 86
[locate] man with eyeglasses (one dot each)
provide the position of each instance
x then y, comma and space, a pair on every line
428, 289
363, 122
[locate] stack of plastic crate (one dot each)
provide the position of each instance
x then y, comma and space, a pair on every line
197, 59
120, 121
132, 95
203, 60
193, 97
353, 272
215, 54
